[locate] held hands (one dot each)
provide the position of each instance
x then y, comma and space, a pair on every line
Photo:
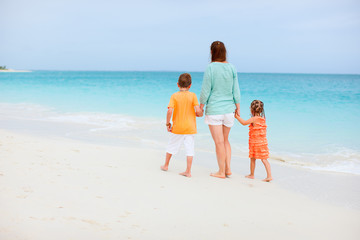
237, 113
199, 111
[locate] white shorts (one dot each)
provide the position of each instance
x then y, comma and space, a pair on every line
222, 119
176, 140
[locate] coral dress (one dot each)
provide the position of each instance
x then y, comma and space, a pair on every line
258, 146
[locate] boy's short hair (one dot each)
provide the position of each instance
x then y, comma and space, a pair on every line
184, 80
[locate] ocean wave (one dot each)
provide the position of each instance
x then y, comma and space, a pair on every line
150, 131
98, 121
95, 121
338, 159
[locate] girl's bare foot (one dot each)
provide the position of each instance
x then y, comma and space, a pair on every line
267, 179
218, 175
228, 173
250, 176
164, 168
186, 174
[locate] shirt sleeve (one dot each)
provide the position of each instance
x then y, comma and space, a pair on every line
206, 86
195, 101
236, 89
172, 102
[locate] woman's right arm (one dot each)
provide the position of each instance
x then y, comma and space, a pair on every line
206, 87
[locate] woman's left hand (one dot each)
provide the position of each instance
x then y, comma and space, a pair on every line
237, 112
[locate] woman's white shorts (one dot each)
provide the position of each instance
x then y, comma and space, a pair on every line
222, 119
176, 140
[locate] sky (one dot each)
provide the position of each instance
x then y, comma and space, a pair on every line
280, 36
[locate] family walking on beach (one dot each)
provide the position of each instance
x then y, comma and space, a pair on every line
221, 94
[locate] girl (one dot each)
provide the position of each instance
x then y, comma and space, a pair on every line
258, 147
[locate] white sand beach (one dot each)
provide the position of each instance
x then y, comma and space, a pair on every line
58, 188
14, 70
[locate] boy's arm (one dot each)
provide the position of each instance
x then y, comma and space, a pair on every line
198, 111
168, 118
244, 122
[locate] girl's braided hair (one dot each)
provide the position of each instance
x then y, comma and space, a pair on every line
257, 108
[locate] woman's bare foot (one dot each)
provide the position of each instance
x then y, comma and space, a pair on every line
250, 176
228, 173
186, 174
218, 175
267, 179
164, 168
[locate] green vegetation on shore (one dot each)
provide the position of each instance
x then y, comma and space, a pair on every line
3, 68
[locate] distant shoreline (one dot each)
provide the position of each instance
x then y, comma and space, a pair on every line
13, 70
173, 71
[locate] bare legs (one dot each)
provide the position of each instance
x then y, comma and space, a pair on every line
252, 168
220, 136
267, 168
187, 173
189, 160
226, 131
165, 167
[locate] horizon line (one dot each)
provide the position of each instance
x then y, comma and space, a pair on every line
179, 71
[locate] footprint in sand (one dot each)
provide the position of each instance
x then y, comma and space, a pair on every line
21, 196
126, 214
92, 222
27, 189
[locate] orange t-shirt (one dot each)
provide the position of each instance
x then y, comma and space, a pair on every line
184, 118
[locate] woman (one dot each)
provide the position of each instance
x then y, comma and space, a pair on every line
221, 95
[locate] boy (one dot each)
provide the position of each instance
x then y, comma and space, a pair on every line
182, 104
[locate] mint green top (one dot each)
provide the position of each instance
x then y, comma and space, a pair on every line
220, 89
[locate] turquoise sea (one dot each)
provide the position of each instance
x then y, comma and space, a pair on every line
312, 118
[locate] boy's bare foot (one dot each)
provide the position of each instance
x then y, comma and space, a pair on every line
267, 179
250, 176
186, 174
164, 168
217, 174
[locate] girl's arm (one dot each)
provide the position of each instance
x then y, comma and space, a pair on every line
244, 122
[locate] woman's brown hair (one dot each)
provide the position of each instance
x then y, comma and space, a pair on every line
218, 52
